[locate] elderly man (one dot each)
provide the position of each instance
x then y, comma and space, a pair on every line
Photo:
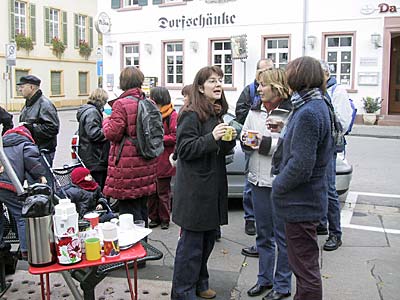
39, 115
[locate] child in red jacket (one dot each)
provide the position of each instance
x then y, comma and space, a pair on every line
159, 204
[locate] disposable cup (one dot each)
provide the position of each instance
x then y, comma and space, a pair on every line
126, 221
93, 218
140, 223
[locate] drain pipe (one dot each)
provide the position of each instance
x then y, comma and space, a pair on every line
305, 21
9, 169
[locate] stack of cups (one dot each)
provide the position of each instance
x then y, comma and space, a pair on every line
110, 239
126, 222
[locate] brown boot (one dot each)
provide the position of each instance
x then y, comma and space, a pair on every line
207, 294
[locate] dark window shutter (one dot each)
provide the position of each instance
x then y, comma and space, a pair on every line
64, 29
33, 21
155, 2
47, 38
91, 32
142, 2
115, 4
11, 9
76, 38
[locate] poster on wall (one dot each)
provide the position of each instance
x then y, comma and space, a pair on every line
239, 46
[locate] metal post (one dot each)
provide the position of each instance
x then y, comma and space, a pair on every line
244, 72
71, 284
6, 78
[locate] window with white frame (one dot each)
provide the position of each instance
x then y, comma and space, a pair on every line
54, 23
128, 3
277, 49
81, 27
131, 55
174, 63
339, 56
222, 57
20, 17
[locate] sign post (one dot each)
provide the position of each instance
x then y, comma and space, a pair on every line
11, 59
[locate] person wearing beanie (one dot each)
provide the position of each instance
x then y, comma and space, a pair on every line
23, 154
85, 192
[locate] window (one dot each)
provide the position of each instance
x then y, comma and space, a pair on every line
20, 17
222, 57
277, 49
56, 83
83, 30
174, 63
130, 3
131, 55
339, 55
55, 25
18, 74
83, 83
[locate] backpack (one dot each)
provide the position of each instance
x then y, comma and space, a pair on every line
149, 139
353, 114
253, 95
336, 127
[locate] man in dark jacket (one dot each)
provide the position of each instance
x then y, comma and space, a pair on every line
247, 98
40, 117
24, 157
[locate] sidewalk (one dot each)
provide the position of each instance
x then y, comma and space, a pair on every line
392, 132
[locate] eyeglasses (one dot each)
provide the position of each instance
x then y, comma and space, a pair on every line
214, 81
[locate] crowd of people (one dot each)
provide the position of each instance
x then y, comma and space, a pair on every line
289, 195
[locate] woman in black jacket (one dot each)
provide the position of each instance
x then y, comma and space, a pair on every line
93, 146
200, 197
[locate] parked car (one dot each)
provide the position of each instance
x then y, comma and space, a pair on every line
236, 163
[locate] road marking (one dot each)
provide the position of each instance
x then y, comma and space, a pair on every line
348, 210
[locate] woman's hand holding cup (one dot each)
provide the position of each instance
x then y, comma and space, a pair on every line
219, 131
274, 124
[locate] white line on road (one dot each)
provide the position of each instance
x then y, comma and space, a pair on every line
348, 210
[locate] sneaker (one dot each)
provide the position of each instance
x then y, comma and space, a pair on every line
322, 230
250, 227
332, 243
153, 224
207, 294
164, 225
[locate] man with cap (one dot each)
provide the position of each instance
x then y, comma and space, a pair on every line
39, 115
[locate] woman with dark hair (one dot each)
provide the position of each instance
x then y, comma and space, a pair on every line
160, 203
300, 187
93, 146
131, 179
200, 203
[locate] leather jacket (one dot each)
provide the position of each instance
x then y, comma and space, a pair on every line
41, 117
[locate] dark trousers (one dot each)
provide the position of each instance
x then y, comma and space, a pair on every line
99, 177
159, 204
190, 267
137, 207
303, 254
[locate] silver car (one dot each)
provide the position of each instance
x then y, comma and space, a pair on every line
236, 165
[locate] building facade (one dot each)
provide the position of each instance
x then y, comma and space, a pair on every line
170, 40
54, 40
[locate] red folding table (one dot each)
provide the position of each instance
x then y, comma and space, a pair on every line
132, 254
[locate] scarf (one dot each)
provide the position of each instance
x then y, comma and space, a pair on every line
300, 98
88, 185
166, 110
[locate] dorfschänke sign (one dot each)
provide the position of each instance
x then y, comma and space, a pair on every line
200, 21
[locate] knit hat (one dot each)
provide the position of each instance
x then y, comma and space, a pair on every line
78, 175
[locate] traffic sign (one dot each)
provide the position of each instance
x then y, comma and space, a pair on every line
11, 54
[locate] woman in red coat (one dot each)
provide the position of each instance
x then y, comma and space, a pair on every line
160, 203
131, 179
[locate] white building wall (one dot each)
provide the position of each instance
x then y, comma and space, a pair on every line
256, 18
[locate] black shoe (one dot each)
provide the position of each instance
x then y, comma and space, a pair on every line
164, 225
274, 295
257, 290
218, 237
250, 251
153, 224
322, 230
332, 243
250, 227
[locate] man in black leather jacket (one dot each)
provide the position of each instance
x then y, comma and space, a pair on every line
40, 116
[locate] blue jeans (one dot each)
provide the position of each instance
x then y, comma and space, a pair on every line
190, 267
247, 196
332, 216
10, 199
270, 231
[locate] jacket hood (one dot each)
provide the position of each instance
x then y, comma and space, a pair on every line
14, 139
21, 130
83, 109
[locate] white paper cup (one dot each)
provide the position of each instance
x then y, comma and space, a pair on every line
126, 221
110, 231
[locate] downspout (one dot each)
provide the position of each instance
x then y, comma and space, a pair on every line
305, 20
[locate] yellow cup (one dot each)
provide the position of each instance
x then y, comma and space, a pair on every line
228, 136
93, 248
